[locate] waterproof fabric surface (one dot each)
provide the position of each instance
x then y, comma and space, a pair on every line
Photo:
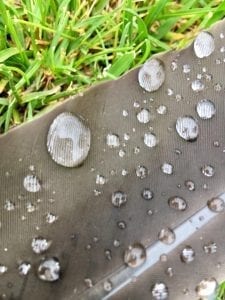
74, 210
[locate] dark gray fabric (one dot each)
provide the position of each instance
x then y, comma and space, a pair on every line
83, 216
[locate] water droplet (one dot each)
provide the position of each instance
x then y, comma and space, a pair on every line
3, 269
206, 287
112, 140
167, 168
187, 128
163, 258
210, 248
126, 136
141, 172
170, 92
100, 179
150, 140
144, 116
51, 218
125, 113
208, 170
166, 236
119, 199
124, 172
107, 286
205, 109
121, 225
190, 185
136, 150
49, 269
204, 44
9, 205
68, 140
108, 254
88, 282
116, 243
147, 194
216, 205
162, 110
186, 68
40, 245
135, 255
151, 75
217, 87
122, 153
24, 268
221, 35
169, 272
136, 104
197, 85
187, 254
160, 291
177, 203
173, 66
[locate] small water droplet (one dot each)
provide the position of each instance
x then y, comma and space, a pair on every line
122, 153
51, 218
141, 172
169, 272
9, 205
107, 286
24, 268
187, 128
217, 87
108, 254
216, 144
205, 109
3, 269
126, 136
206, 287
204, 44
144, 116
173, 66
197, 85
177, 203
112, 140
187, 254
88, 282
121, 225
210, 248
162, 110
150, 140
68, 140
100, 179
186, 68
116, 243
125, 113
30, 207
124, 172
49, 269
160, 291
216, 205
208, 170
166, 236
119, 199
170, 92
136, 150
135, 255
151, 75
190, 185
136, 104
147, 194
167, 168
40, 245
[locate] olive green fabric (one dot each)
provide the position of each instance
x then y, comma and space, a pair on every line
87, 223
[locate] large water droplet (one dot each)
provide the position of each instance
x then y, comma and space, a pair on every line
187, 128
68, 140
205, 109
49, 269
160, 291
150, 140
216, 205
151, 75
204, 44
144, 116
119, 199
40, 245
167, 236
112, 140
208, 170
135, 255
177, 203
32, 184
206, 287
187, 254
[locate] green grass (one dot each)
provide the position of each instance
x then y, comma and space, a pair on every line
221, 292
50, 49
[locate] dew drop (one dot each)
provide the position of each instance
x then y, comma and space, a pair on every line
24, 268
135, 255
187, 254
68, 140
9, 205
187, 128
216, 205
206, 287
108, 254
40, 245
197, 85
160, 291
177, 203
112, 140
186, 68
119, 199
210, 248
205, 109
141, 172
162, 110
147, 194
121, 225
100, 180
51, 218
31, 184
150, 140
144, 116
151, 75
166, 236
190, 185
49, 269
208, 170
3, 269
204, 44
167, 168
